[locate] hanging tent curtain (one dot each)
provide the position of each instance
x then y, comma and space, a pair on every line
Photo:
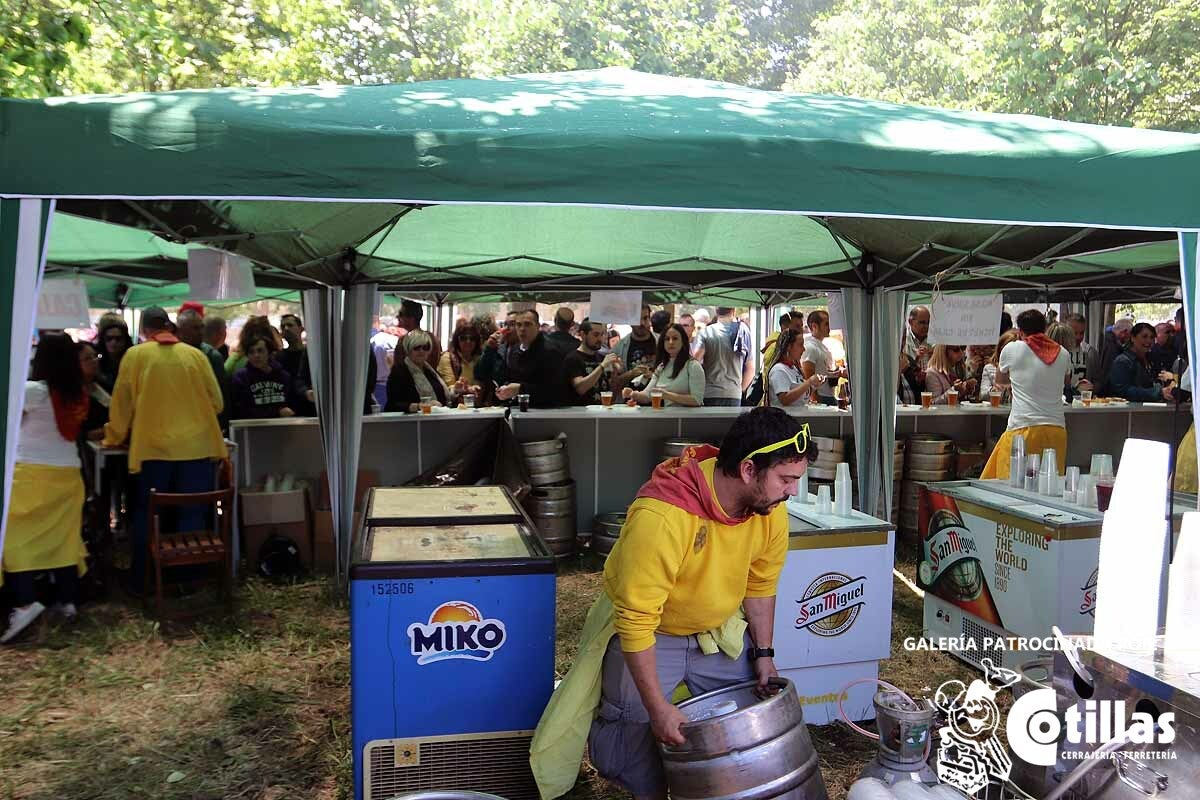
24, 230
338, 322
1189, 274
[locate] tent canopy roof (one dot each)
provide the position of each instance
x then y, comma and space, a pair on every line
607, 178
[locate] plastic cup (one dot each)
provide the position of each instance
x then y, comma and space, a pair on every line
656, 398
1104, 491
995, 397
1086, 397
469, 400
824, 505
952, 397
426, 405
1071, 481
523, 402
607, 399
926, 399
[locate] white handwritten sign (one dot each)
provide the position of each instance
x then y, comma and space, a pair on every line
617, 308
62, 304
837, 313
217, 275
965, 319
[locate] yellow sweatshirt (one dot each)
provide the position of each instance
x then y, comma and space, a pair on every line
165, 404
681, 574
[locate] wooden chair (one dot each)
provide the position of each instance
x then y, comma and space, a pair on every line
191, 548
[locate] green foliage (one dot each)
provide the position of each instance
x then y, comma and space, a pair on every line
1130, 62
60, 47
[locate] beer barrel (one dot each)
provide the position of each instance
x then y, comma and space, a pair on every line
673, 448
605, 532
740, 746
970, 459
552, 509
546, 461
931, 444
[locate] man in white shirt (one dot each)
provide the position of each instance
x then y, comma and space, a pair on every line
1084, 351
817, 360
1037, 369
916, 347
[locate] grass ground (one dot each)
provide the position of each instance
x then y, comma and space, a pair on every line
258, 707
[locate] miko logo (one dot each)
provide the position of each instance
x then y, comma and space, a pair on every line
456, 630
1088, 606
831, 604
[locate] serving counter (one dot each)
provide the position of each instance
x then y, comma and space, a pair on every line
833, 613
613, 450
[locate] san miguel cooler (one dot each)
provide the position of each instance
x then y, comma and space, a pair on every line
950, 565
1001, 568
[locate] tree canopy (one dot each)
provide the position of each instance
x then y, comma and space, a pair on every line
1126, 62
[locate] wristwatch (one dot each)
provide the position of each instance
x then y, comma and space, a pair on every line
756, 653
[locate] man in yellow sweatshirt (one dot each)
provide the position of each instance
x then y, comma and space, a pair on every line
706, 535
165, 405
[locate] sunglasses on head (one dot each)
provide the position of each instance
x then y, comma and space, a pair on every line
799, 441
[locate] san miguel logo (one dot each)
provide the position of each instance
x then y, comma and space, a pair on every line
831, 604
456, 630
1088, 606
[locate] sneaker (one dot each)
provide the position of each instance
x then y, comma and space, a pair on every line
66, 610
20, 619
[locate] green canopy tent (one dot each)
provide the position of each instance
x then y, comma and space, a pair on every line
609, 178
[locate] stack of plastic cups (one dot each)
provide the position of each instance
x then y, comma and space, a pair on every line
1048, 477
1016, 468
823, 504
1032, 464
1071, 485
843, 491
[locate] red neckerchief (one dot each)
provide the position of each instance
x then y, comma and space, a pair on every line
1043, 347
68, 416
681, 482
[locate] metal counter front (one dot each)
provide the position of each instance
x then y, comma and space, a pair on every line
452, 642
833, 612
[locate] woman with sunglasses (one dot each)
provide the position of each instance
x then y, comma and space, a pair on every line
457, 365
944, 373
413, 379
112, 341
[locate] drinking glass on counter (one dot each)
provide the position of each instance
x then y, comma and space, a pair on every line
952, 397
1086, 396
469, 400
606, 398
1103, 477
426, 405
995, 397
523, 402
926, 399
656, 398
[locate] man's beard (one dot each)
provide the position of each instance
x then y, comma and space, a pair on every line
762, 505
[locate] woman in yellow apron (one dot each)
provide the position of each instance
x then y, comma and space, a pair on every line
45, 515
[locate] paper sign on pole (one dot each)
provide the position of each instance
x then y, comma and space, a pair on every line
965, 319
217, 275
617, 308
63, 303
837, 316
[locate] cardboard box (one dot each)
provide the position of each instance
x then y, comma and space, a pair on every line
367, 478
324, 550
255, 536
273, 508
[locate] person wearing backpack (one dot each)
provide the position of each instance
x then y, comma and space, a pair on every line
724, 351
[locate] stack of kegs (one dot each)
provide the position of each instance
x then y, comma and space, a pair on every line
605, 531
551, 503
929, 458
971, 458
831, 451
673, 448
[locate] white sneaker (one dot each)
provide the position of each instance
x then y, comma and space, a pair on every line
20, 619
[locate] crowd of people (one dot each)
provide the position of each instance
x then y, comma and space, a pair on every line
1137, 362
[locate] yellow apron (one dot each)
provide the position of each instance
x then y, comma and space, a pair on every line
1037, 439
45, 519
1185, 463
561, 737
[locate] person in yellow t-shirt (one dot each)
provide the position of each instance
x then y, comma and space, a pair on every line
165, 405
706, 535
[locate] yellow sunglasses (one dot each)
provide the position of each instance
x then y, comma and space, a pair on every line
795, 440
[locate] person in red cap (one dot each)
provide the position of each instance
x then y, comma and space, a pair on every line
192, 305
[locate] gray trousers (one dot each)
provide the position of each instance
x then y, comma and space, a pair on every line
621, 745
